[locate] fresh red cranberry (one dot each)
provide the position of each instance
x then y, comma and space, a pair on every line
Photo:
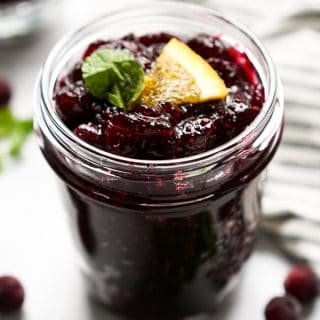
283, 308
5, 92
302, 283
11, 294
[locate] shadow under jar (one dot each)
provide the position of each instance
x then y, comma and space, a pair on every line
162, 239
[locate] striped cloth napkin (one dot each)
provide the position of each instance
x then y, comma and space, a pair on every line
291, 31
294, 175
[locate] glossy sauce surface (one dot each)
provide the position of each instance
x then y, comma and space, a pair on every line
165, 131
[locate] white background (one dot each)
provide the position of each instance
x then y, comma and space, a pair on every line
35, 242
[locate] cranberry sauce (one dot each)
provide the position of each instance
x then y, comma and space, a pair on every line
162, 243
166, 131
147, 265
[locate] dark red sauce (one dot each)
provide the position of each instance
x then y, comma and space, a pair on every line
166, 131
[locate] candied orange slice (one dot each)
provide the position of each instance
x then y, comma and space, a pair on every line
182, 76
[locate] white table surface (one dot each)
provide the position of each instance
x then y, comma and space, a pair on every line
35, 242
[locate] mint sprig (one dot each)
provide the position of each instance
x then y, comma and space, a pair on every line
114, 75
13, 134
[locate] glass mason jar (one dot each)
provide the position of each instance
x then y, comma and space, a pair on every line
161, 239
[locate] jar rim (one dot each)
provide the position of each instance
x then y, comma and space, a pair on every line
93, 153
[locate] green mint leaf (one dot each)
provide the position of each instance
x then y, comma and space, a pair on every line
115, 96
7, 122
19, 135
14, 132
25, 125
17, 141
133, 85
114, 75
